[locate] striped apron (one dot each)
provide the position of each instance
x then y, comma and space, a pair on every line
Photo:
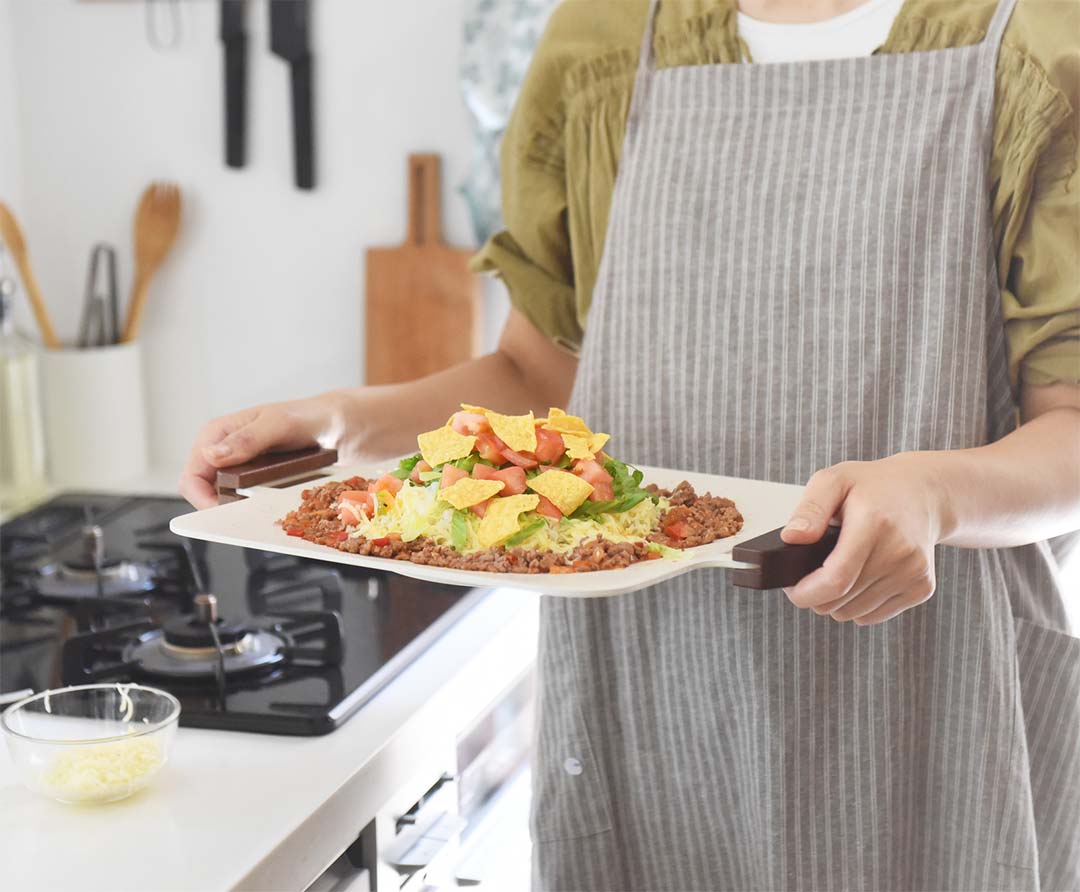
799, 270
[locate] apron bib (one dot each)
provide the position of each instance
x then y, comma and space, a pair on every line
799, 270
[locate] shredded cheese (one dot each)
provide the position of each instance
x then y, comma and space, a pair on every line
102, 772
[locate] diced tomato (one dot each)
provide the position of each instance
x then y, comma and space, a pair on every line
602, 492
451, 475
484, 472
417, 468
549, 446
469, 423
591, 471
521, 459
490, 448
548, 508
388, 482
480, 509
337, 536
677, 529
294, 531
355, 504
514, 478
382, 540
544, 468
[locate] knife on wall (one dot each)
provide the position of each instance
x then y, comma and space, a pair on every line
234, 39
289, 25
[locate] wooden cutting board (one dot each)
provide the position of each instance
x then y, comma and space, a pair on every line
423, 304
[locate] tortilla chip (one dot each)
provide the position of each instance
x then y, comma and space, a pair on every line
443, 445
503, 518
565, 490
516, 431
598, 441
578, 446
468, 492
559, 421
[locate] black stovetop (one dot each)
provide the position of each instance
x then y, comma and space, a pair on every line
330, 636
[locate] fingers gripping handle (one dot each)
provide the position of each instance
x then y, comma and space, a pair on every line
274, 466
779, 564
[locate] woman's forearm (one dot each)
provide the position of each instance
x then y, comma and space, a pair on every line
526, 372
1023, 488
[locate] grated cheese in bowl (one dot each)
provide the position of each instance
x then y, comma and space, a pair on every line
91, 743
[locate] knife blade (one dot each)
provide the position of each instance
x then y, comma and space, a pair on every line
234, 40
289, 31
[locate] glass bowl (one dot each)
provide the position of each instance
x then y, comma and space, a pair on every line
91, 743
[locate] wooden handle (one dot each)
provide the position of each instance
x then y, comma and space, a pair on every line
136, 304
780, 565
37, 302
12, 235
274, 466
425, 196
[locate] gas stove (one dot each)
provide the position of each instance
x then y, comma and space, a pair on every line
95, 588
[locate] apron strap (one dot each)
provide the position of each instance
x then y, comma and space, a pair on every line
998, 24
646, 63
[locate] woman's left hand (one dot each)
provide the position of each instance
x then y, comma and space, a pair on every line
891, 519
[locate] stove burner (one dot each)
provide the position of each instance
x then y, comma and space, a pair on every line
155, 655
71, 581
194, 632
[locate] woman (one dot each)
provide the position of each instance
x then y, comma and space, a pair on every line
852, 268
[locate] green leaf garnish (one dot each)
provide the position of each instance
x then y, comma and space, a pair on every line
459, 530
526, 531
405, 468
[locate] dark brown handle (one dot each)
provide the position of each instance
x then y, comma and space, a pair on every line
273, 466
780, 565
425, 197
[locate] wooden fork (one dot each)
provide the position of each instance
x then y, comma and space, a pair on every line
157, 221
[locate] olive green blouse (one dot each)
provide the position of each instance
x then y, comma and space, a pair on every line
561, 153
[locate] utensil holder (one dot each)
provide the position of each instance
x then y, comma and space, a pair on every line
95, 416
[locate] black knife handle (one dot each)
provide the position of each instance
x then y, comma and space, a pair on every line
303, 122
780, 565
236, 53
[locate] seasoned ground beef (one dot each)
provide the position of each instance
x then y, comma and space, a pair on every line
698, 520
701, 519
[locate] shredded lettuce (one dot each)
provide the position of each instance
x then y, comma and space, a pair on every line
405, 468
459, 530
628, 492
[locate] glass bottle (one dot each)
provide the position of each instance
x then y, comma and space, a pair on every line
22, 442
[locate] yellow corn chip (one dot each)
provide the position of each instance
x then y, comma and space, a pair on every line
565, 490
578, 446
443, 445
558, 420
503, 519
516, 431
598, 441
468, 492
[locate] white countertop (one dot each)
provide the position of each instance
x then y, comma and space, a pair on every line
253, 811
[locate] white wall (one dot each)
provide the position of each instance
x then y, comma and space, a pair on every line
9, 149
262, 298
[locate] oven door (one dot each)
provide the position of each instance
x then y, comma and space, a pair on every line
471, 826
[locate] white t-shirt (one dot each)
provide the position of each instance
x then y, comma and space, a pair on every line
855, 33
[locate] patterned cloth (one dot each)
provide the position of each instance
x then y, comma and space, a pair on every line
500, 36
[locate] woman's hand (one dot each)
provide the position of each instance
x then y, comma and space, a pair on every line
242, 436
891, 519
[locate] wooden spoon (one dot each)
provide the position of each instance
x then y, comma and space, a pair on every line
13, 238
156, 223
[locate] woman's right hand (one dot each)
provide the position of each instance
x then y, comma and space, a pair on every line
239, 437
